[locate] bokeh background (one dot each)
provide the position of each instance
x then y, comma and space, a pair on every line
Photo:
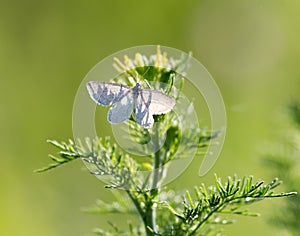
46, 48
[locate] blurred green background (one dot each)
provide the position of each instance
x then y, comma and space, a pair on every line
250, 47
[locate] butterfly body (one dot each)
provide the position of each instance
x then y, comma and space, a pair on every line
124, 100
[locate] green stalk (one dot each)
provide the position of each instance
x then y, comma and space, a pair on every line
157, 170
141, 212
157, 174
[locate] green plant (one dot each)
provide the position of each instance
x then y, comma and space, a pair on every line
162, 211
283, 159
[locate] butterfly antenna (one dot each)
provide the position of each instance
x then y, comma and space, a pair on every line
146, 71
143, 76
146, 81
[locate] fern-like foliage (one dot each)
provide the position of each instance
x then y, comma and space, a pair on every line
102, 157
68, 152
197, 216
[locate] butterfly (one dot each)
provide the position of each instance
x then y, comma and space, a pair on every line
124, 100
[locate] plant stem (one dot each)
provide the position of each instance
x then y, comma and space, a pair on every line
157, 174
141, 212
157, 168
148, 212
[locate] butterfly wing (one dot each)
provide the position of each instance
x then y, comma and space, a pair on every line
107, 94
142, 114
121, 110
160, 103
151, 102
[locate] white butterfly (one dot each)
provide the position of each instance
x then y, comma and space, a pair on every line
125, 99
